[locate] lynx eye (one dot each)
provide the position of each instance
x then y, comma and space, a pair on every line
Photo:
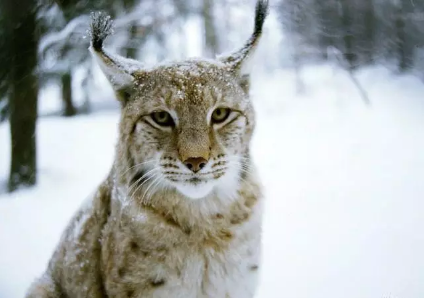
162, 118
220, 115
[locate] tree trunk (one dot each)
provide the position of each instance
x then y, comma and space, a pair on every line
370, 25
4, 109
348, 38
68, 105
211, 46
405, 51
131, 48
324, 33
22, 50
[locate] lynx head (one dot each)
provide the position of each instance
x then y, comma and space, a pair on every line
185, 125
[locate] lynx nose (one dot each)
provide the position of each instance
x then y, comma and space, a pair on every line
195, 163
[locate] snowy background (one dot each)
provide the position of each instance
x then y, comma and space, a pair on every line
344, 181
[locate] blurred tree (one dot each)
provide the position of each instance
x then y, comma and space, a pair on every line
369, 29
211, 46
4, 61
69, 109
363, 30
404, 46
132, 44
21, 38
347, 17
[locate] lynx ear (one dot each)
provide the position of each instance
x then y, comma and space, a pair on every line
239, 62
118, 70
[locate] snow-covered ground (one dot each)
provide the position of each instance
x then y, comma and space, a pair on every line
344, 187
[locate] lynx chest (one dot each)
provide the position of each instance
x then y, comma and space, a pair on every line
163, 259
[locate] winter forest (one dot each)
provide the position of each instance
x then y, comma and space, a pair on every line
338, 88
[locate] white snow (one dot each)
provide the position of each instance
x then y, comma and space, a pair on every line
344, 186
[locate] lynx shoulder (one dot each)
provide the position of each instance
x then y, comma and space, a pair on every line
180, 212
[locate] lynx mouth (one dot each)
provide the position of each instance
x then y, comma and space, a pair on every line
196, 180
195, 185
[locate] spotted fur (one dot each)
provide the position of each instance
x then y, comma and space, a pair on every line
155, 228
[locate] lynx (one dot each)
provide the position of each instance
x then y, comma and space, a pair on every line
179, 214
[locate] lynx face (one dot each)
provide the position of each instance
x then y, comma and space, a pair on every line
190, 128
186, 125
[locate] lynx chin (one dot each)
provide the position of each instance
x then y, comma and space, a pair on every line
179, 214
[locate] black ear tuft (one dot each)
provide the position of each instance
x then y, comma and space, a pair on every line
261, 12
237, 60
101, 27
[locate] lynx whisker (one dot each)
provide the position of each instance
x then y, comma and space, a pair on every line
158, 177
141, 185
243, 167
137, 165
140, 179
155, 187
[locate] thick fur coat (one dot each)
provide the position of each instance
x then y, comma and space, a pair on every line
180, 212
